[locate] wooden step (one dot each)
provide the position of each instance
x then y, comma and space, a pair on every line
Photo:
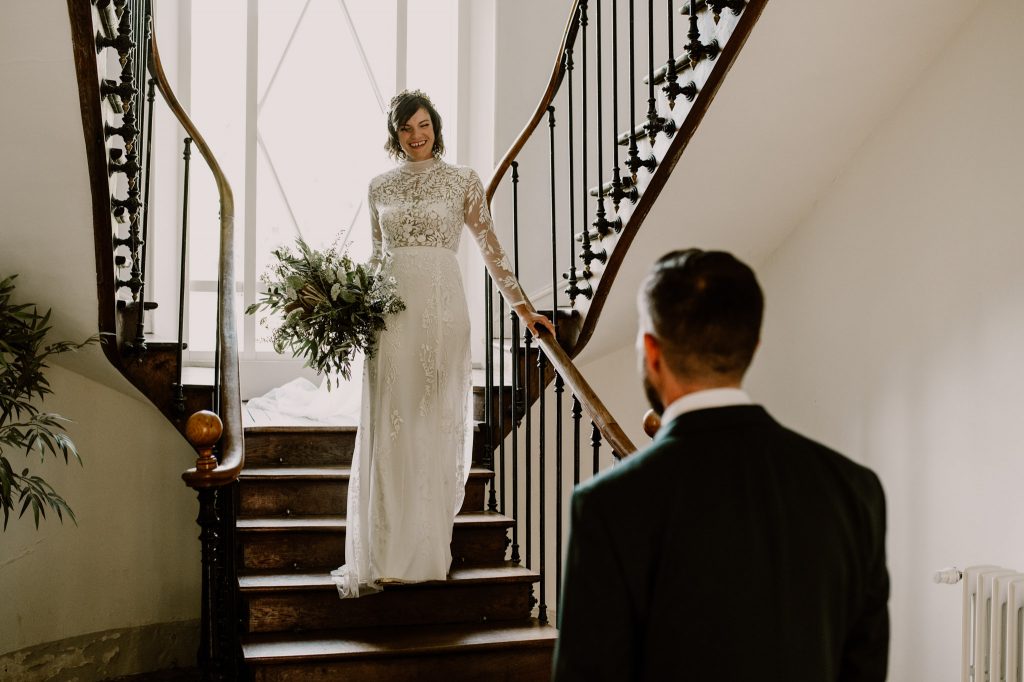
315, 446
309, 601
491, 652
282, 491
311, 542
299, 446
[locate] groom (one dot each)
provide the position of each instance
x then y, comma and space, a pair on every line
731, 548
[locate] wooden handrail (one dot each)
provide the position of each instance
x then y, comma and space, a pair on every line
232, 451
556, 355
557, 74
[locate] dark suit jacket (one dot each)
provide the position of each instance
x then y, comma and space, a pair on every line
730, 549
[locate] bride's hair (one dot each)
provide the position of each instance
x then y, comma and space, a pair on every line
403, 106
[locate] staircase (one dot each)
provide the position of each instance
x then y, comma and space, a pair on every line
475, 625
272, 498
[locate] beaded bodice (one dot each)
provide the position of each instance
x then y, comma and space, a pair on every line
426, 203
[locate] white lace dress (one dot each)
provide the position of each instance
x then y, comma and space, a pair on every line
414, 446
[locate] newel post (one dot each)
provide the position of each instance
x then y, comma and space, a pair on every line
203, 430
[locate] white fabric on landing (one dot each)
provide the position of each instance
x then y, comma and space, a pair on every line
303, 402
414, 445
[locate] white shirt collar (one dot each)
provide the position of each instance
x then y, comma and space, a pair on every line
702, 400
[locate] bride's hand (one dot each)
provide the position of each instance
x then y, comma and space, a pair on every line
532, 319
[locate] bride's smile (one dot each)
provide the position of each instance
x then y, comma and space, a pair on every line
416, 136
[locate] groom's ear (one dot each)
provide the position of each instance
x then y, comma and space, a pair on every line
653, 357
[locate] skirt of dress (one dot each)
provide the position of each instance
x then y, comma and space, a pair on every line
414, 444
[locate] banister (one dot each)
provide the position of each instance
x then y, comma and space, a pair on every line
557, 74
595, 409
556, 355
232, 452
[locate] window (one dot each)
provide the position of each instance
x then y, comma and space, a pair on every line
292, 96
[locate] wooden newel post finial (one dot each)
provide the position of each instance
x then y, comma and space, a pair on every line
203, 429
652, 422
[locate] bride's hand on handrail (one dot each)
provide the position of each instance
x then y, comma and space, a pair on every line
532, 319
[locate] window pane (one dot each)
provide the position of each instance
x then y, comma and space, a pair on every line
202, 321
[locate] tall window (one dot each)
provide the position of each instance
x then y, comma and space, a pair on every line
292, 96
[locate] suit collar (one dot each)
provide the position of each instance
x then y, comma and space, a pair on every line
713, 418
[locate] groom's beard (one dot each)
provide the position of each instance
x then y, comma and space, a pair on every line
652, 395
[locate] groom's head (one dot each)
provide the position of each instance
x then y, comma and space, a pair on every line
700, 322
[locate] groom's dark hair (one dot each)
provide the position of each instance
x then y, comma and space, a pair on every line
705, 309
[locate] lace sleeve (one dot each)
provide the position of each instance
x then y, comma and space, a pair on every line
478, 220
377, 254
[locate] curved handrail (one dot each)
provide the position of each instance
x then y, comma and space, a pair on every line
555, 354
232, 451
557, 74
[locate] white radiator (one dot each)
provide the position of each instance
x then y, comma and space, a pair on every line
993, 622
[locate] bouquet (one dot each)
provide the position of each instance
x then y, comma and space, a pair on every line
333, 308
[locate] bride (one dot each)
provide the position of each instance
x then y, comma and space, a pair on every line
414, 445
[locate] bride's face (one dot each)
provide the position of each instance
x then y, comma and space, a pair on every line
417, 136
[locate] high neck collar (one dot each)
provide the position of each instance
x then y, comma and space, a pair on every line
419, 166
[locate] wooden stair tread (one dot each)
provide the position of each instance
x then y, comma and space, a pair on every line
271, 580
332, 524
322, 473
300, 429
396, 641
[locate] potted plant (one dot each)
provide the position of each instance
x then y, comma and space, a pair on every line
24, 427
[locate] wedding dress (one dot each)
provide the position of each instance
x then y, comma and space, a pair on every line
414, 444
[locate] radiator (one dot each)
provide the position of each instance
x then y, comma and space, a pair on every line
992, 642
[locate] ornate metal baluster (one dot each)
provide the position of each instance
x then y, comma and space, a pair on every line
528, 455
696, 49
492, 502
501, 400
542, 609
595, 441
179, 395
518, 398
634, 163
572, 290
140, 322
581, 287
577, 414
559, 390
601, 223
655, 123
736, 6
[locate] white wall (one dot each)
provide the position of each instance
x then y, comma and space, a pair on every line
895, 327
133, 558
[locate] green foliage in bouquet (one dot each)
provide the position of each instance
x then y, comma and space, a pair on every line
23, 426
333, 308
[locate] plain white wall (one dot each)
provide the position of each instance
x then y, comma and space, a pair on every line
895, 327
133, 558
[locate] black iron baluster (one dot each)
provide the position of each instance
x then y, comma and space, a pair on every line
655, 123
542, 609
518, 399
595, 441
147, 124
617, 189
671, 88
634, 163
695, 49
601, 223
577, 413
179, 395
718, 5
501, 400
581, 287
528, 454
559, 390
492, 502
572, 290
